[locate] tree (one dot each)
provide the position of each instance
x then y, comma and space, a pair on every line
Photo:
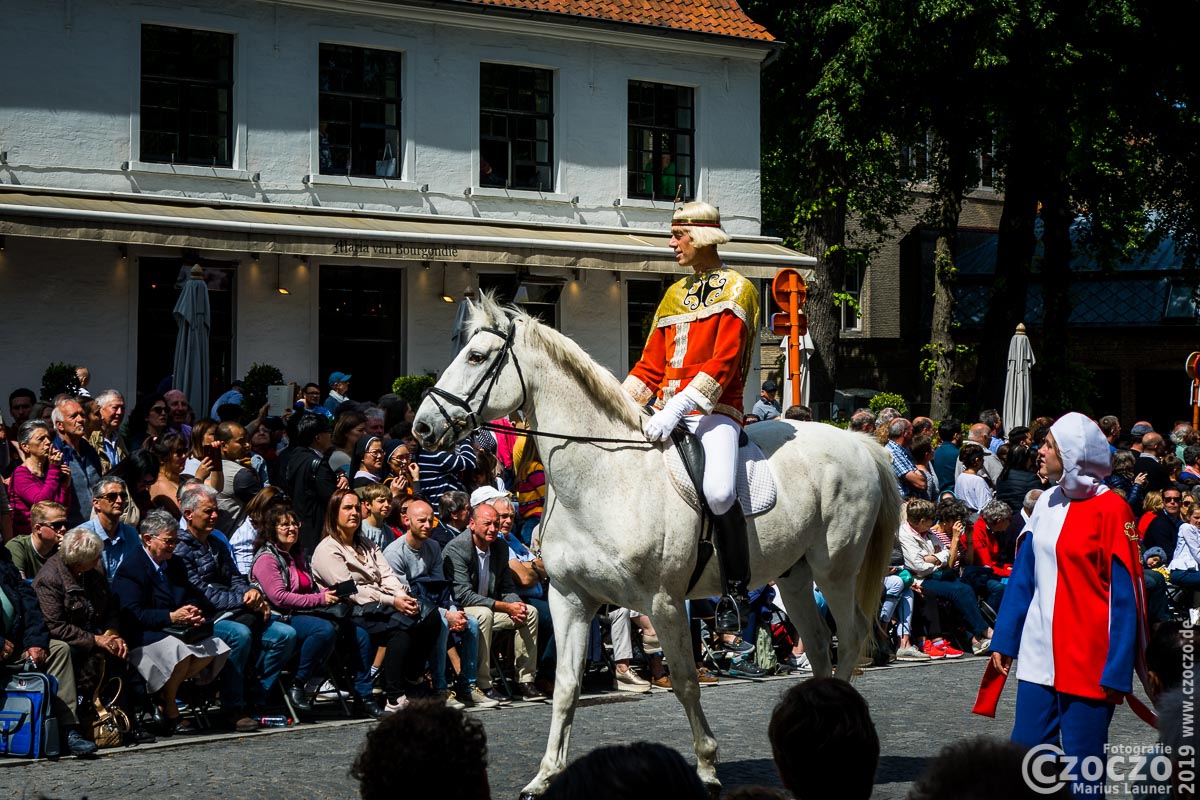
827, 154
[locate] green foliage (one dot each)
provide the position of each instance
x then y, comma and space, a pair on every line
59, 378
888, 400
254, 387
410, 387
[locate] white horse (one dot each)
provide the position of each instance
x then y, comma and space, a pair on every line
616, 531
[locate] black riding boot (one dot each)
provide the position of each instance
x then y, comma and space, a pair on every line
733, 552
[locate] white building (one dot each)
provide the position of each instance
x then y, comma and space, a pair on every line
366, 156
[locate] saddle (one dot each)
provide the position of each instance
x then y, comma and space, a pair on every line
756, 490
756, 487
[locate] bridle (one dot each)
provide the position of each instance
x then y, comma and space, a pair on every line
485, 384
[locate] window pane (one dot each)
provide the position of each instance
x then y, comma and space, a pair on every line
187, 87
360, 111
661, 140
516, 126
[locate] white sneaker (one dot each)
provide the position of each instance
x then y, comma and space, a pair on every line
1194, 615
911, 653
799, 663
630, 681
476, 698
395, 705
450, 700
327, 691
982, 648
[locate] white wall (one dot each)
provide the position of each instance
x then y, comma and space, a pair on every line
71, 118
65, 301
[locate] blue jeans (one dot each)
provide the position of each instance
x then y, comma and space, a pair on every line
962, 597
1157, 606
275, 643
526, 531
1184, 578
315, 637
468, 656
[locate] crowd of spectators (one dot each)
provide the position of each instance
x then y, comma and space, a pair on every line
241, 560
968, 497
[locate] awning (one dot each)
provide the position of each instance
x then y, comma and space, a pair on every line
340, 233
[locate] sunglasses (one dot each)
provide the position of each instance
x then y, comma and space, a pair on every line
1172, 499
112, 497
57, 527
158, 410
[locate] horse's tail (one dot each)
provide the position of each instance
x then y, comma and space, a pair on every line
878, 557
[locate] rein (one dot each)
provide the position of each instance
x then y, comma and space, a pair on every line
489, 377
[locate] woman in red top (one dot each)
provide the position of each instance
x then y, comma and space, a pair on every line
43, 475
694, 368
982, 568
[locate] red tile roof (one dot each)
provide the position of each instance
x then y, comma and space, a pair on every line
719, 17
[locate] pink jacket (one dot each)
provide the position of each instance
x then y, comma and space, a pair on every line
26, 489
281, 594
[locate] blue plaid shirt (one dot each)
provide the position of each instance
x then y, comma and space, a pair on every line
902, 465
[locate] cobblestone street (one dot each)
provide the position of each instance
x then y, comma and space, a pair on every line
916, 708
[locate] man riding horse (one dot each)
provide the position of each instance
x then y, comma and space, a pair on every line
694, 366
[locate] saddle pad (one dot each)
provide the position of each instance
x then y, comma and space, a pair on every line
755, 480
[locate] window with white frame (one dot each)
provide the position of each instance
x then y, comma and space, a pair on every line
187, 96
516, 127
661, 140
360, 105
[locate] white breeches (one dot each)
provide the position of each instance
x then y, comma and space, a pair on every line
719, 437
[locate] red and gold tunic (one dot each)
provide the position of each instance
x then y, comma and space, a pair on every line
701, 344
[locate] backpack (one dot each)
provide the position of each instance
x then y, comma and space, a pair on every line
764, 649
28, 728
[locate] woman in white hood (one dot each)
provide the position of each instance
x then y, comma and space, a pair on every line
1073, 613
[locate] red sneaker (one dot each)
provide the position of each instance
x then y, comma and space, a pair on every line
931, 649
947, 649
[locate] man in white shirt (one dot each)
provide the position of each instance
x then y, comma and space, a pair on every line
476, 564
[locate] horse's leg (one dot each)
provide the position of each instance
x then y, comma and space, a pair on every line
797, 591
671, 622
572, 618
852, 627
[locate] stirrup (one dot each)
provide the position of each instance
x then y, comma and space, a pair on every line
732, 613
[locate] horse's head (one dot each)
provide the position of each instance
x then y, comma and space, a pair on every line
482, 383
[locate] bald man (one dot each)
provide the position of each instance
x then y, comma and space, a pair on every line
1152, 450
417, 561
476, 564
981, 434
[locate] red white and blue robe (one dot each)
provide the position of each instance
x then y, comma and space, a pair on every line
1073, 614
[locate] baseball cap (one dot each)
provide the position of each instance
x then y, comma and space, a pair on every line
769, 386
485, 493
1141, 429
338, 377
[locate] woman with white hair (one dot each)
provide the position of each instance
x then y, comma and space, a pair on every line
81, 611
694, 368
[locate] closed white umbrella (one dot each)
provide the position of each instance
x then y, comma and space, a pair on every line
1017, 388
806, 353
194, 318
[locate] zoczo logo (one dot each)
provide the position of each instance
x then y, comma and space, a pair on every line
1042, 769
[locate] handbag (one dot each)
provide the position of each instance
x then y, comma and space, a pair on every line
104, 723
190, 634
386, 166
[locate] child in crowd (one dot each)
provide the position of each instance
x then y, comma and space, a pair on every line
376, 506
1156, 560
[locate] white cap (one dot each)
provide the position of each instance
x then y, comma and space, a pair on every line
485, 493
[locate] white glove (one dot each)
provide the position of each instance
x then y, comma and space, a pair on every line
659, 426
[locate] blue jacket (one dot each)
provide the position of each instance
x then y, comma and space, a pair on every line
28, 628
211, 571
147, 600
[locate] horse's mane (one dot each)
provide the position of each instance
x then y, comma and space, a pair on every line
599, 382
